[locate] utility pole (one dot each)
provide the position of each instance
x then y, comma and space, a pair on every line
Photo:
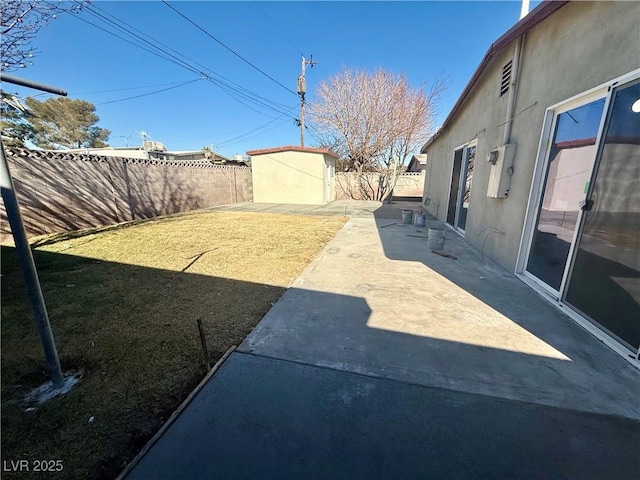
302, 90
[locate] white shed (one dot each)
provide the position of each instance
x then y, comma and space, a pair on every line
294, 175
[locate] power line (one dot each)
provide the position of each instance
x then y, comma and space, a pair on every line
312, 131
226, 85
257, 102
149, 93
126, 40
129, 32
132, 88
110, 90
224, 79
256, 129
295, 47
249, 106
247, 135
228, 48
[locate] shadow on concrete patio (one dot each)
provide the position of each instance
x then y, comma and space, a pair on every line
473, 260
463, 324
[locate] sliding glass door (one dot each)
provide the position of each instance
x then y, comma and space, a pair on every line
584, 242
569, 167
460, 193
605, 279
455, 187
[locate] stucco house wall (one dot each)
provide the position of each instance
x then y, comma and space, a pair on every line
578, 47
293, 175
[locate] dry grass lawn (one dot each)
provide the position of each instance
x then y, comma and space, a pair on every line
123, 304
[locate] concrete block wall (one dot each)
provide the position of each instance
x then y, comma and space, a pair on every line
61, 192
408, 185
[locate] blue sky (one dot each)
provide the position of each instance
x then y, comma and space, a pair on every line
422, 39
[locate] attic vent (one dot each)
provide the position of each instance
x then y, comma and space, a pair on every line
506, 78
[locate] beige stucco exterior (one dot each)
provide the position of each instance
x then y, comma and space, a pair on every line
577, 48
300, 176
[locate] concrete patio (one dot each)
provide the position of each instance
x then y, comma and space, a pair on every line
385, 360
464, 324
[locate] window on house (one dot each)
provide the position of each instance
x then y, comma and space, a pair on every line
455, 187
460, 193
506, 78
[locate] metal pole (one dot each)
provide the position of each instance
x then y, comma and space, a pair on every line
302, 122
34, 292
512, 91
31, 84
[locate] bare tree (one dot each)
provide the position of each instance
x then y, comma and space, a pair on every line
20, 20
374, 121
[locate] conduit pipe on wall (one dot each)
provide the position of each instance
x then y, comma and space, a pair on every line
512, 91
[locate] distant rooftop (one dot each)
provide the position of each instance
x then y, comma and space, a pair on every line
290, 148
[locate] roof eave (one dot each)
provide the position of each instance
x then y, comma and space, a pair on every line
293, 148
538, 14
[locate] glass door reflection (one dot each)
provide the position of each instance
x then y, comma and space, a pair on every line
605, 279
568, 171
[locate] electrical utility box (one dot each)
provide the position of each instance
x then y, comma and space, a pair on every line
501, 160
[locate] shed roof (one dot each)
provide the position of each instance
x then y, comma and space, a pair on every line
538, 14
293, 148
